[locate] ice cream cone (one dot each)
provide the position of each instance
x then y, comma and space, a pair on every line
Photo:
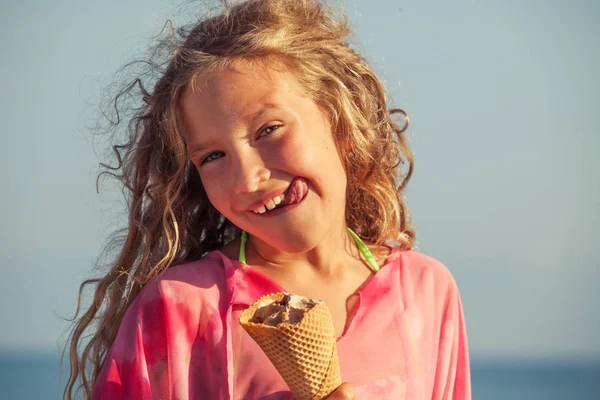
304, 353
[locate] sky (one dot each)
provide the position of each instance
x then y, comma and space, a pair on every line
504, 103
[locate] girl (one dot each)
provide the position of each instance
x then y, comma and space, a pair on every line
265, 160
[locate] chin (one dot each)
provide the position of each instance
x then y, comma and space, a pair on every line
291, 244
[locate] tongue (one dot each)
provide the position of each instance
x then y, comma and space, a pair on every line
296, 192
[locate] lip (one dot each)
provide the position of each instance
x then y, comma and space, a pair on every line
264, 199
276, 211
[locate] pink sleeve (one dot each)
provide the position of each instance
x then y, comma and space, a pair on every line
452, 376
171, 343
135, 356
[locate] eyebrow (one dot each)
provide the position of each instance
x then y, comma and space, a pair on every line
200, 147
263, 110
195, 150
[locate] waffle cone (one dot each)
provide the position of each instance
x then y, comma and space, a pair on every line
305, 354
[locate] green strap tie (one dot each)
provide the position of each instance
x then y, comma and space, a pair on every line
243, 241
361, 246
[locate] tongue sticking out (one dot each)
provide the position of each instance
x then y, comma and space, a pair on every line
296, 192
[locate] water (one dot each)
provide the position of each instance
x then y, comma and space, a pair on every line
29, 377
37, 377
548, 381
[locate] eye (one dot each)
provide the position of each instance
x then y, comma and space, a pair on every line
212, 157
267, 130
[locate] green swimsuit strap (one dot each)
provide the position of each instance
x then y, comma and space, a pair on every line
359, 243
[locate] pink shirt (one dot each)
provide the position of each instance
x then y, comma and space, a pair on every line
181, 339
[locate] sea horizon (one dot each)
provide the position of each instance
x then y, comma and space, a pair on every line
493, 378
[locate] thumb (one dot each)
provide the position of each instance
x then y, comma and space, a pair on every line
346, 391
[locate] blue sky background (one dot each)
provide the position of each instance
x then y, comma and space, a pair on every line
504, 99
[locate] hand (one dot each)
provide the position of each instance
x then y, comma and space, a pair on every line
346, 391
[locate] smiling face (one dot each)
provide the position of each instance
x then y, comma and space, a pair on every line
253, 135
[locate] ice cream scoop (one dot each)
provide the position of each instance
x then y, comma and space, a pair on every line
289, 309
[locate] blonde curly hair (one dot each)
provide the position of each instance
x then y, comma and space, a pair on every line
171, 220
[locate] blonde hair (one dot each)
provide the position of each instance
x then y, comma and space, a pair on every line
171, 220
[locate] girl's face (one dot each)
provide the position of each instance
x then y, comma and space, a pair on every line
252, 135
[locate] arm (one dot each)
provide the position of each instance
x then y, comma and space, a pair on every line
136, 366
172, 342
452, 376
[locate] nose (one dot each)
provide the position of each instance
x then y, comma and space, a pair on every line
250, 172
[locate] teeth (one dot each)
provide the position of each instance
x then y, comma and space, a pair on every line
271, 204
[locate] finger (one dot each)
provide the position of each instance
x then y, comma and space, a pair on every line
346, 391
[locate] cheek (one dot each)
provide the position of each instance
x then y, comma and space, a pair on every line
316, 158
285, 154
215, 190
301, 153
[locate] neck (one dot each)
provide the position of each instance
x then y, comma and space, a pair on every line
330, 256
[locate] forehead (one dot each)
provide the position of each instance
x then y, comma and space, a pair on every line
238, 89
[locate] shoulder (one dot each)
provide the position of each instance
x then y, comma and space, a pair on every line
168, 316
187, 297
421, 274
203, 280
420, 264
